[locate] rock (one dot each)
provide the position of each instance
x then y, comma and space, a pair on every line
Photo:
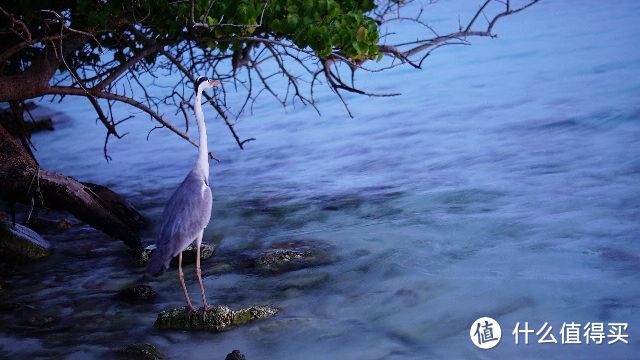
280, 256
293, 255
31, 320
188, 255
20, 244
47, 225
137, 294
29, 127
235, 355
218, 319
11, 306
39, 321
141, 351
39, 125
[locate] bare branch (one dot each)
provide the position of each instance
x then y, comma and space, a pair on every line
115, 73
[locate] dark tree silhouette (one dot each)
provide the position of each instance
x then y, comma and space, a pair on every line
101, 50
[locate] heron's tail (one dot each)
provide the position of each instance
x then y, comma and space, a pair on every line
158, 263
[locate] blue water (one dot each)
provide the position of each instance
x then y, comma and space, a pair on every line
503, 182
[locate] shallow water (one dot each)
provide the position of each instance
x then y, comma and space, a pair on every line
503, 182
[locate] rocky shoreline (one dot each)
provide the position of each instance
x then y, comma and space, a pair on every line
58, 246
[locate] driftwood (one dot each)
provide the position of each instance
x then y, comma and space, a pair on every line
22, 180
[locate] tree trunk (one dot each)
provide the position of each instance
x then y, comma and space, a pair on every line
21, 180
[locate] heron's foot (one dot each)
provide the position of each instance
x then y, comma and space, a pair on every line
191, 309
208, 307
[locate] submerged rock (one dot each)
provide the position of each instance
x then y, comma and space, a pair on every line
188, 255
31, 320
141, 351
235, 355
293, 255
20, 244
39, 321
137, 294
11, 306
219, 318
48, 225
280, 256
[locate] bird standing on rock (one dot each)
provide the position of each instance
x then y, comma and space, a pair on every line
189, 209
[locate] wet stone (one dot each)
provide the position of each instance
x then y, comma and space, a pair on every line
31, 320
141, 351
235, 355
11, 306
21, 244
218, 319
38, 321
280, 256
137, 294
188, 255
293, 255
48, 225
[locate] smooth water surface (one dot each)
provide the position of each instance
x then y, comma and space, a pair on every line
504, 182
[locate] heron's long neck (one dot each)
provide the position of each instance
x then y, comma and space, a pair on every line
203, 149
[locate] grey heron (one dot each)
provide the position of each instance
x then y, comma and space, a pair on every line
189, 209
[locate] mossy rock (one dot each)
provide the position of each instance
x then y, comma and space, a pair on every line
141, 351
235, 355
278, 256
188, 255
49, 225
137, 294
21, 244
218, 319
293, 255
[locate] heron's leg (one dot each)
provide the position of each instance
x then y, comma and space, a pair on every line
184, 286
199, 272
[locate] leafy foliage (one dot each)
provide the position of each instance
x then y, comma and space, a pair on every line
98, 49
324, 26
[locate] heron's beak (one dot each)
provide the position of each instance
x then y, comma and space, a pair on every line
214, 83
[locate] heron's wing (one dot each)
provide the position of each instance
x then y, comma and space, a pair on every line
187, 213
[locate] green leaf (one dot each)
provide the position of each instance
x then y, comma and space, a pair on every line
359, 48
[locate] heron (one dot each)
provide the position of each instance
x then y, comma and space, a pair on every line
188, 211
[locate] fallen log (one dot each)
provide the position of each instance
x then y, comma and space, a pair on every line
22, 180
118, 205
